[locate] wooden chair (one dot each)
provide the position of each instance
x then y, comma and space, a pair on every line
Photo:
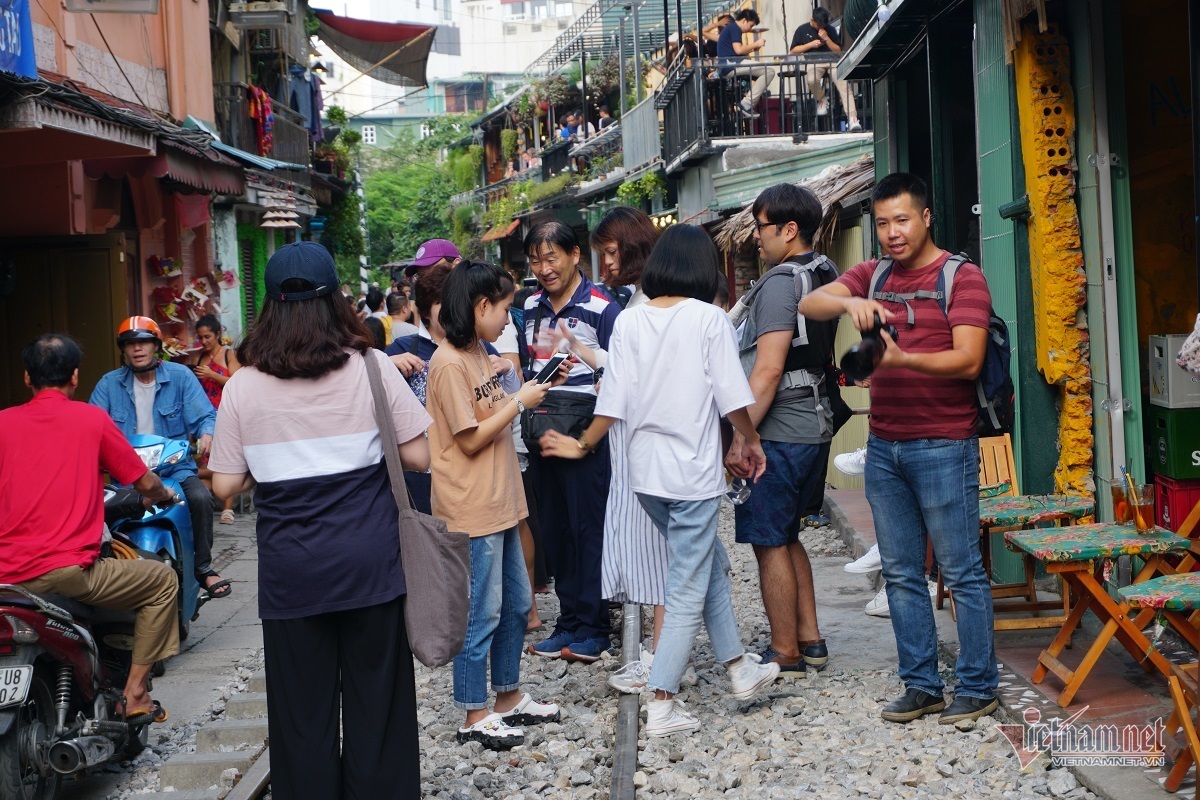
1177, 598
998, 478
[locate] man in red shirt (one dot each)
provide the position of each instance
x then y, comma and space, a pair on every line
922, 470
52, 515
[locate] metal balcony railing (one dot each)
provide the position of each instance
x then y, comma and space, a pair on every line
704, 99
237, 128
640, 141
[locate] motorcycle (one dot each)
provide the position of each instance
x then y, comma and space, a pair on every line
167, 532
63, 668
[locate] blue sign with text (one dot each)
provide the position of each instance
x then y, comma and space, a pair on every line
16, 39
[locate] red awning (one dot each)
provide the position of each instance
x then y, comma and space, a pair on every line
392, 52
501, 231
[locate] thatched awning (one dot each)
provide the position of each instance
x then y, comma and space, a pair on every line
831, 186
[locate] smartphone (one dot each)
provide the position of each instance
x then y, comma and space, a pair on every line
547, 372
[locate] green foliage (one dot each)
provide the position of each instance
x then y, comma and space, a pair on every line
311, 25
523, 196
336, 115
636, 192
464, 166
343, 235
508, 143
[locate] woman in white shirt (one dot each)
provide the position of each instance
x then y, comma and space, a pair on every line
672, 373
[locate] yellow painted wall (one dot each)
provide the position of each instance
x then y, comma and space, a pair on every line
1047, 123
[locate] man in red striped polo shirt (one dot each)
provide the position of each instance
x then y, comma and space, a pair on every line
922, 471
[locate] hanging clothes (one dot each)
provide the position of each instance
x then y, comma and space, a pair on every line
264, 118
316, 130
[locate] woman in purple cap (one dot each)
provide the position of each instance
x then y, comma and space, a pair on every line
298, 421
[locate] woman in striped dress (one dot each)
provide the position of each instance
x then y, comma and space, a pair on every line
634, 564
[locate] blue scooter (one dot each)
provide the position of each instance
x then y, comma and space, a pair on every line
167, 532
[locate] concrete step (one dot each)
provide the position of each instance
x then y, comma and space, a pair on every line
200, 770
198, 794
248, 705
231, 733
258, 682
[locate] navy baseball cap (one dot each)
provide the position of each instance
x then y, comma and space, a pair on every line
307, 261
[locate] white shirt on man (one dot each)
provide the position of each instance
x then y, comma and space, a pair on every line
143, 403
672, 373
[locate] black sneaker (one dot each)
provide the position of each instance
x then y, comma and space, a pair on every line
795, 669
815, 654
912, 705
968, 708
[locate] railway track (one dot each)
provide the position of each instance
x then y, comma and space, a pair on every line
257, 780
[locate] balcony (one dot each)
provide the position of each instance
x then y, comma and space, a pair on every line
290, 137
641, 142
700, 104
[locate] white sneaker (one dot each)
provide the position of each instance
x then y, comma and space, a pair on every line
748, 675
822, 108
852, 463
664, 717
492, 732
878, 607
689, 675
747, 110
868, 562
631, 678
855, 126
531, 712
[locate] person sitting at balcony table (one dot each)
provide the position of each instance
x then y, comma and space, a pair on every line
577, 128
606, 117
712, 34
818, 36
731, 50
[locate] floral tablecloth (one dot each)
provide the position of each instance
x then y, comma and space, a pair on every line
1003, 512
1170, 592
1087, 542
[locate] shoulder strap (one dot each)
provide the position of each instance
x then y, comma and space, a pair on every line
883, 268
387, 432
802, 275
946, 280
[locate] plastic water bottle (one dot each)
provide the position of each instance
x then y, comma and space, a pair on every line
738, 491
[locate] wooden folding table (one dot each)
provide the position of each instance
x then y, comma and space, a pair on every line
1079, 554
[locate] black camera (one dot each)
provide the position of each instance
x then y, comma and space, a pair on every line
862, 358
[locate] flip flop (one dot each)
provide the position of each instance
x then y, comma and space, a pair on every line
214, 592
227, 517
159, 714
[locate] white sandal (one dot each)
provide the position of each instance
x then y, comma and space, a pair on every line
227, 517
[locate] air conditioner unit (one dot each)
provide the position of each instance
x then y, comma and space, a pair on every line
113, 6
272, 14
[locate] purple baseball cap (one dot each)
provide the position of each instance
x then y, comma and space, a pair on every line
430, 253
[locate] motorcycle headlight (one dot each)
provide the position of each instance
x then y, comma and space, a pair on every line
151, 456
175, 458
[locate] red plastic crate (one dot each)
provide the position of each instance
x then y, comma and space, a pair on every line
1175, 500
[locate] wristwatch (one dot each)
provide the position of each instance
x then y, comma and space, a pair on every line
520, 407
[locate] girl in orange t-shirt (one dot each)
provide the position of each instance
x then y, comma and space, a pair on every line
477, 489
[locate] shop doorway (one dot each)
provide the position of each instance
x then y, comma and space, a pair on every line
74, 285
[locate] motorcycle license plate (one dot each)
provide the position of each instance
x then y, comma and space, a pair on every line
14, 685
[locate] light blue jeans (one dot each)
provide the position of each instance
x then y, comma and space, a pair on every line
932, 485
697, 587
500, 602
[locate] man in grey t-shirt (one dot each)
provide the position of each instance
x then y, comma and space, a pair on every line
793, 417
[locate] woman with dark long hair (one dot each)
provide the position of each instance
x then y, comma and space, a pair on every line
214, 367
672, 373
477, 489
298, 421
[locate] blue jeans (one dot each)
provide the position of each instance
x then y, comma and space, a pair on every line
697, 587
930, 487
500, 602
